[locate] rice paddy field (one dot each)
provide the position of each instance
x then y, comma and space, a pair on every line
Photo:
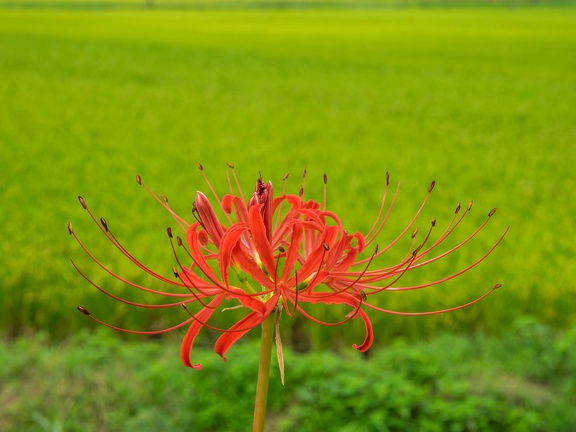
478, 97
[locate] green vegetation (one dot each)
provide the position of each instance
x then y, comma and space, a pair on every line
266, 4
479, 99
97, 383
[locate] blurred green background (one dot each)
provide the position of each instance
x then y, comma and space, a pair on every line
478, 96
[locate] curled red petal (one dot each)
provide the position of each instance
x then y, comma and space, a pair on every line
227, 203
261, 242
228, 339
342, 298
365, 346
293, 252
251, 302
240, 209
208, 217
192, 237
251, 320
311, 264
193, 330
229, 241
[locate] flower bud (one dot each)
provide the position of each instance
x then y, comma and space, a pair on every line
263, 195
207, 217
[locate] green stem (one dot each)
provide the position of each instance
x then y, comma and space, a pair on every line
263, 374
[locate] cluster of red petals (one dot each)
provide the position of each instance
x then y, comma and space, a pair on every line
278, 252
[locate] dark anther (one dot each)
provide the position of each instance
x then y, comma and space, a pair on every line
363, 295
200, 167
179, 240
230, 165
496, 286
285, 176
164, 198
325, 179
169, 232
175, 272
84, 311
431, 186
434, 223
457, 209
301, 192
326, 246
82, 202
104, 223
139, 179
281, 249
492, 212
387, 178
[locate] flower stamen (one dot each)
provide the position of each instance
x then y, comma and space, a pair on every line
296, 252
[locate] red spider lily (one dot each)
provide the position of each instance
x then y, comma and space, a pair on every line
280, 253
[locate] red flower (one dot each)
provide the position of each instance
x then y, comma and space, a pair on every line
280, 252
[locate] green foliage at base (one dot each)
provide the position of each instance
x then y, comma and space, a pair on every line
522, 381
